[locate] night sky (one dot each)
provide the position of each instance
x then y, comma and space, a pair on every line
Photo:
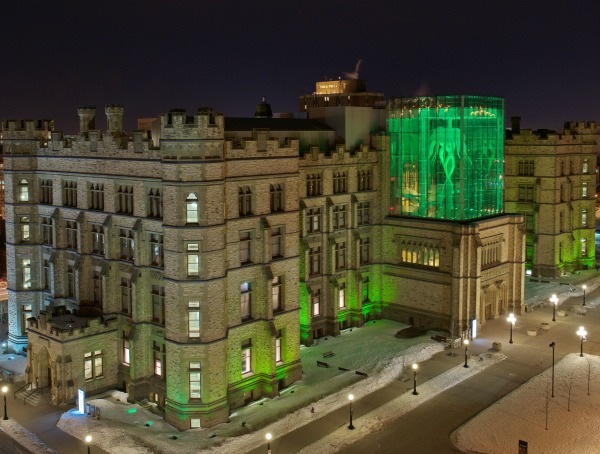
151, 56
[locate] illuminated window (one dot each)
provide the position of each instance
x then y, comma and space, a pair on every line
127, 244
26, 273
584, 218
191, 209
246, 356
156, 250
195, 423
276, 293
584, 247
195, 380
126, 352
93, 365
584, 190
585, 166
23, 191
194, 319
278, 357
342, 296
193, 259
316, 303
276, 198
24, 228
158, 350
245, 300
313, 220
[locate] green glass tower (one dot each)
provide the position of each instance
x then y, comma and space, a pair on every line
446, 156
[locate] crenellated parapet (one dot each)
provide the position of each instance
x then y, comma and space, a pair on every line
70, 327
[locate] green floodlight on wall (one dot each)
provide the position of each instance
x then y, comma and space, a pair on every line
446, 157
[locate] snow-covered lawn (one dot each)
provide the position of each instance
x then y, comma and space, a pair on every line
566, 423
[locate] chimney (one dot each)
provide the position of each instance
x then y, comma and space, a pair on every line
87, 119
114, 119
515, 125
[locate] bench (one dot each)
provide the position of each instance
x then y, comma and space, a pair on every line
322, 364
328, 354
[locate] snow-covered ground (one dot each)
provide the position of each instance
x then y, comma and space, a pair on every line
566, 423
24, 437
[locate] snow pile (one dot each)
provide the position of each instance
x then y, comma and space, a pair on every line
566, 423
24, 437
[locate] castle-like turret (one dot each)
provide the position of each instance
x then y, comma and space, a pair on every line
114, 119
87, 118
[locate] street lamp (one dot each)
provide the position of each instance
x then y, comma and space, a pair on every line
268, 436
553, 345
415, 366
511, 319
350, 398
4, 391
584, 287
88, 440
582, 333
554, 301
466, 342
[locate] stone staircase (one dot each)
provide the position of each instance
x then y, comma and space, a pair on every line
35, 397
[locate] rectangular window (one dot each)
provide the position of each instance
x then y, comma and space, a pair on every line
246, 300
71, 229
586, 166
158, 350
70, 281
191, 208
245, 201
278, 357
47, 274
96, 196
314, 261
93, 365
47, 233
156, 250
365, 251
23, 191
155, 203
97, 286
365, 289
339, 182
276, 193
193, 259
126, 352
127, 244
158, 304
276, 293
340, 256
245, 247
584, 247
316, 303
46, 190
339, 217
194, 319
362, 213
584, 190
364, 180
125, 199
525, 193
246, 356
342, 296
26, 273
313, 220
25, 228
276, 242
584, 219
194, 380
126, 295
97, 232
70, 193
313, 184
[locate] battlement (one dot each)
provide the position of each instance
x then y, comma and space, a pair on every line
69, 327
580, 127
206, 123
34, 126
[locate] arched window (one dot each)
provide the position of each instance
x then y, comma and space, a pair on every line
191, 208
23, 191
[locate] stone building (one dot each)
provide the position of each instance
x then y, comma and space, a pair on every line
188, 261
551, 180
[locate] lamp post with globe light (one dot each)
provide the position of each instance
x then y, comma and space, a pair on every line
4, 391
582, 333
466, 342
554, 301
415, 366
511, 319
268, 436
88, 440
350, 398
